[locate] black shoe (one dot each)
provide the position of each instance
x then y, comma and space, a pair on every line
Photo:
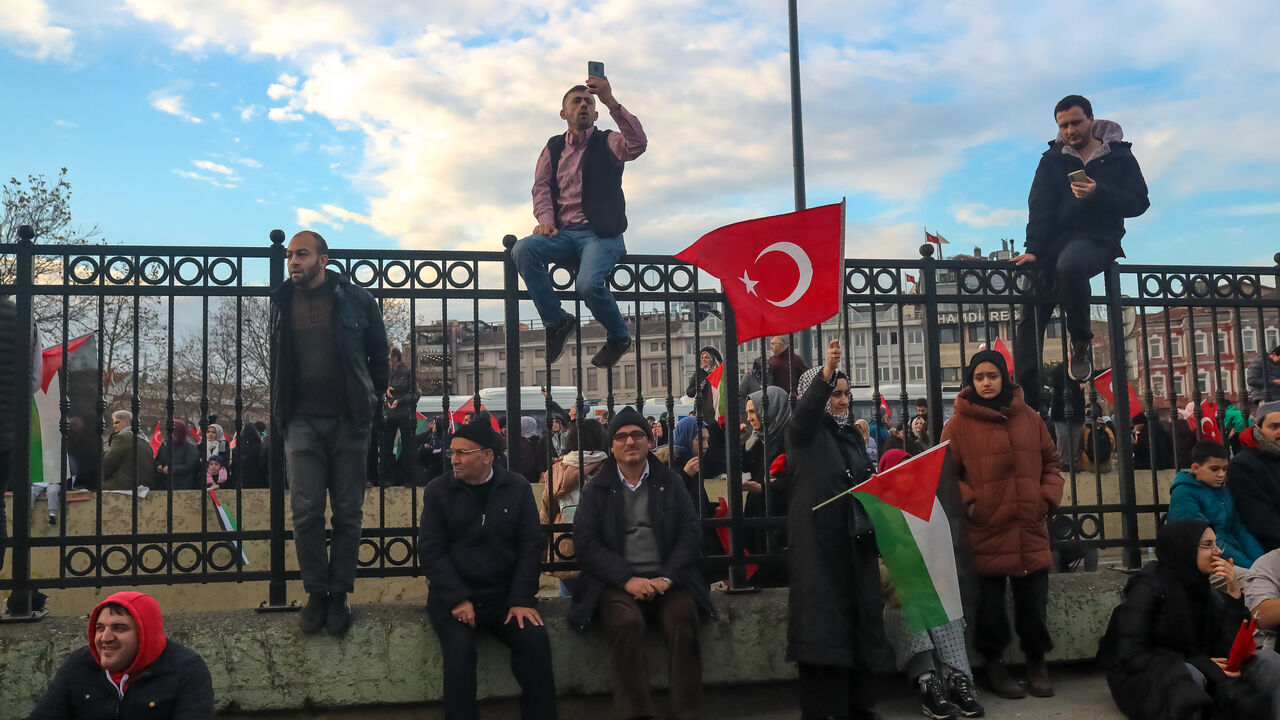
313, 615
612, 351
556, 335
339, 614
1001, 682
964, 696
1081, 366
933, 699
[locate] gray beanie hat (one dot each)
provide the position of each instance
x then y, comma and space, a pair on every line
1266, 409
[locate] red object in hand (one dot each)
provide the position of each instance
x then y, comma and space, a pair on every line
779, 464
1244, 646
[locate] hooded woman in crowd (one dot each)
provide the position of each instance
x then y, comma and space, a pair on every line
250, 458
834, 627
216, 440
699, 389
179, 460
1165, 650
686, 454
1007, 467
768, 416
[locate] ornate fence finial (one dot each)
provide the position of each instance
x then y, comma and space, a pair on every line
277, 237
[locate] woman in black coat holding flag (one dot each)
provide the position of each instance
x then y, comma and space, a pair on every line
834, 629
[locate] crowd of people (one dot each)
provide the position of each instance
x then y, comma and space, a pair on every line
632, 489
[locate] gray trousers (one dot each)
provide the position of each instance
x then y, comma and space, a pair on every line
326, 458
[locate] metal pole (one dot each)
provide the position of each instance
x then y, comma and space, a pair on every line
933, 352
20, 459
1124, 417
511, 313
737, 545
797, 151
277, 598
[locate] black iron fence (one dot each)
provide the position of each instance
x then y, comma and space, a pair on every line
177, 333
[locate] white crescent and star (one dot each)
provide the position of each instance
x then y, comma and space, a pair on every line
801, 259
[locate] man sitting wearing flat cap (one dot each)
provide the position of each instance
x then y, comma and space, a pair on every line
1254, 476
636, 537
480, 544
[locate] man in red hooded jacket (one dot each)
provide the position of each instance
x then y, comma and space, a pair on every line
129, 670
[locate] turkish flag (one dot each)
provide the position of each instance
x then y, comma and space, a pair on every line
1103, 384
782, 273
157, 439
888, 414
1209, 423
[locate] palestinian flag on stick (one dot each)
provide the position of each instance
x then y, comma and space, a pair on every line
228, 523
914, 537
420, 428
715, 380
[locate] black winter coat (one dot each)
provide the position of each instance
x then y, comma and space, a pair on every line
185, 468
1254, 480
1056, 216
599, 533
835, 604
175, 685
1145, 649
362, 342
485, 555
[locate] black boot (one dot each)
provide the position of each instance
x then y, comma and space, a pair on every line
1038, 677
933, 698
339, 614
313, 615
1001, 682
964, 696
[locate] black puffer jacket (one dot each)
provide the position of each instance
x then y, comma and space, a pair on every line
1056, 216
175, 685
362, 343
835, 605
599, 531
1253, 477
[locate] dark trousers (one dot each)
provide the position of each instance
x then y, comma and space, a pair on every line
530, 661
397, 470
625, 620
1079, 261
5, 459
325, 460
1030, 606
827, 691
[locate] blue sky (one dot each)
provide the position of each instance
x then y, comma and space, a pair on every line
382, 125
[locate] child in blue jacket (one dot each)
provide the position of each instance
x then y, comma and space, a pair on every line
1201, 494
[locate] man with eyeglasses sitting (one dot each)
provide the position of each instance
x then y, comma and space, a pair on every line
480, 543
636, 538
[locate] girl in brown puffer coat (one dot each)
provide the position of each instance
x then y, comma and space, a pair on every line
1007, 468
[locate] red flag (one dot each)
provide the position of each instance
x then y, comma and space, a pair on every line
470, 407
157, 439
930, 237
1104, 386
1003, 349
1244, 646
722, 511
911, 278
779, 465
1209, 423
52, 357
782, 273
885, 406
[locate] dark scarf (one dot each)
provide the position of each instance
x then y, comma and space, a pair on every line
1002, 399
1188, 593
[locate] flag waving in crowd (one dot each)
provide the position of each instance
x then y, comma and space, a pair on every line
781, 274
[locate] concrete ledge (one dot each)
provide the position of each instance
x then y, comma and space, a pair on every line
260, 662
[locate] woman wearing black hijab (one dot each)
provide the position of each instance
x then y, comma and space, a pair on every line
1165, 648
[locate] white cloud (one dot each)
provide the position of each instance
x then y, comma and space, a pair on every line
979, 215
26, 25
249, 162
204, 178
172, 104
213, 167
65, 124
1271, 208
215, 115
283, 114
247, 113
330, 215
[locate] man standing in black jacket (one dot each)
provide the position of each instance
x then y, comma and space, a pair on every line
330, 369
636, 537
1074, 227
1254, 476
480, 543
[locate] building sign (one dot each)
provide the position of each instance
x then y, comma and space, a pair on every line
975, 316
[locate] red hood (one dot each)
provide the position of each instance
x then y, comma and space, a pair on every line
146, 613
1247, 439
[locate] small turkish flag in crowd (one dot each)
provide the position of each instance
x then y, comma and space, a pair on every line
782, 273
157, 439
1209, 423
1103, 383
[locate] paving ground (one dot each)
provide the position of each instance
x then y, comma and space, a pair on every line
1082, 693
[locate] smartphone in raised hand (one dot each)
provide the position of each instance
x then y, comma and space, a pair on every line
595, 68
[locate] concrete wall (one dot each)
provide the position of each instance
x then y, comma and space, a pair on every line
260, 661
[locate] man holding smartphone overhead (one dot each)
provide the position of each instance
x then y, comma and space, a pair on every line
581, 214
1087, 183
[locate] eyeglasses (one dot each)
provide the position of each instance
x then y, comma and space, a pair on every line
634, 435
450, 453
1208, 545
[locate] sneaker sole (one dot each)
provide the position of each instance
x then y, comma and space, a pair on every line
931, 714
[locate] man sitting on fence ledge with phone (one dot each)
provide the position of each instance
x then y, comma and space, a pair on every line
581, 214
1087, 183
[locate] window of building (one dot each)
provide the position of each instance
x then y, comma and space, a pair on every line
915, 337
860, 376
653, 346
1272, 336
950, 375
541, 377
502, 355
915, 373
1202, 381
655, 374
1202, 346
593, 381
555, 377
1175, 346
860, 339
539, 353
978, 333
895, 373
1249, 340
886, 337
883, 374
1224, 343
628, 376
1224, 381
1178, 389
1155, 347
502, 379
948, 334
1157, 385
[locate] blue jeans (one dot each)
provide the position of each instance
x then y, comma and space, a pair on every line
594, 257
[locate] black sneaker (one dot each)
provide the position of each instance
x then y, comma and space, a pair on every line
556, 335
313, 615
1081, 367
933, 699
964, 696
339, 614
612, 351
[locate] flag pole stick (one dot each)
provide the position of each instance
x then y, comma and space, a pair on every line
825, 503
